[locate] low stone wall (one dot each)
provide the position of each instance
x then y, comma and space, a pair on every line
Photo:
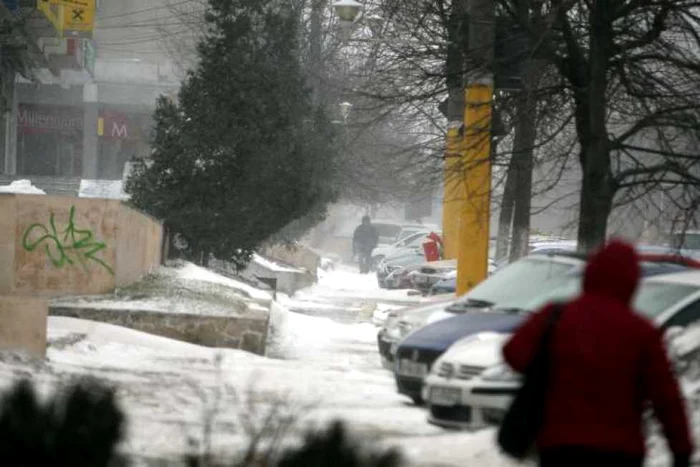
298, 256
23, 325
247, 333
288, 280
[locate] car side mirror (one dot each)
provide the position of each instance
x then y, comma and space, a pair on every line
672, 333
670, 337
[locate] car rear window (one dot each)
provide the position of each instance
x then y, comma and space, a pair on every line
387, 230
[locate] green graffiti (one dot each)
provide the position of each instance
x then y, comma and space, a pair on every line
62, 247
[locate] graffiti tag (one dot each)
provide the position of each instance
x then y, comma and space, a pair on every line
62, 247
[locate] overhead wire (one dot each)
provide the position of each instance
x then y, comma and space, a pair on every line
145, 10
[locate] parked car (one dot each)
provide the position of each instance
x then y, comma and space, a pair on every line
495, 305
516, 283
549, 247
430, 273
402, 278
412, 241
470, 386
448, 284
687, 241
410, 229
482, 296
397, 262
392, 332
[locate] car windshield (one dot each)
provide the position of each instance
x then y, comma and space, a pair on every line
514, 285
651, 299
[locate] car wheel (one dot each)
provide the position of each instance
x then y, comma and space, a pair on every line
418, 400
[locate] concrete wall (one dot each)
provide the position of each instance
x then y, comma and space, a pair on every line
23, 325
298, 256
288, 281
47, 253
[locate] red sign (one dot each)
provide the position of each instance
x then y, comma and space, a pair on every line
116, 125
36, 118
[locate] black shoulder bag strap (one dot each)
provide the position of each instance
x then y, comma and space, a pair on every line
523, 420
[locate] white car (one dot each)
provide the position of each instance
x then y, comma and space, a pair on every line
399, 324
470, 386
412, 241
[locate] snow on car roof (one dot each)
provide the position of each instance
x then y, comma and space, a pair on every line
685, 278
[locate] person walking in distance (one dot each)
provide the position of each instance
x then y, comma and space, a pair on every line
364, 240
606, 364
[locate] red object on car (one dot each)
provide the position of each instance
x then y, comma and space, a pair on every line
431, 251
432, 248
671, 259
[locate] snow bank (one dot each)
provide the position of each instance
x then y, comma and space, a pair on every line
193, 272
110, 189
58, 327
271, 265
24, 187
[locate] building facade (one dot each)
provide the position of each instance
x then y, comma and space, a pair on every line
86, 110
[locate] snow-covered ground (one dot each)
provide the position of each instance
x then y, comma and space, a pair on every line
324, 367
180, 288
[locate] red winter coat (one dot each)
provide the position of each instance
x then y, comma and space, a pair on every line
607, 362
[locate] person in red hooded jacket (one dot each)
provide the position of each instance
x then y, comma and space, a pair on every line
607, 363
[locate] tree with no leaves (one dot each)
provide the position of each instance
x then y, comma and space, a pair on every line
630, 72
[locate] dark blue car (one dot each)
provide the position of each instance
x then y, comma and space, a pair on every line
416, 354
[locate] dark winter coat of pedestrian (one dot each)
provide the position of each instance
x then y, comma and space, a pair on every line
364, 240
607, 364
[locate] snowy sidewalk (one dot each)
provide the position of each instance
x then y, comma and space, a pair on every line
328, 368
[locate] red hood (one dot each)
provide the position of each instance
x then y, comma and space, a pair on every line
613, 271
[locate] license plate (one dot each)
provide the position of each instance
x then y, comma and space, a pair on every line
414, 369
445, 396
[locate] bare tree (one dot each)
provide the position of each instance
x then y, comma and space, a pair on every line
629, 72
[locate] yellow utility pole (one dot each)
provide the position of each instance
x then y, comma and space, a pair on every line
475, 217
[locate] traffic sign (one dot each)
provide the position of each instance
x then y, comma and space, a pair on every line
73, 3
78, 20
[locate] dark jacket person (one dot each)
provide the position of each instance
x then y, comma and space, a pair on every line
607, 362
364, 240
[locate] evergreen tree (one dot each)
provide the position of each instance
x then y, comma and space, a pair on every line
243, 153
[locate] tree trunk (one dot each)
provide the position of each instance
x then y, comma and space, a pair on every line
523, 154
598, 185
597, 192
316, 68
505, 216
452, 184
